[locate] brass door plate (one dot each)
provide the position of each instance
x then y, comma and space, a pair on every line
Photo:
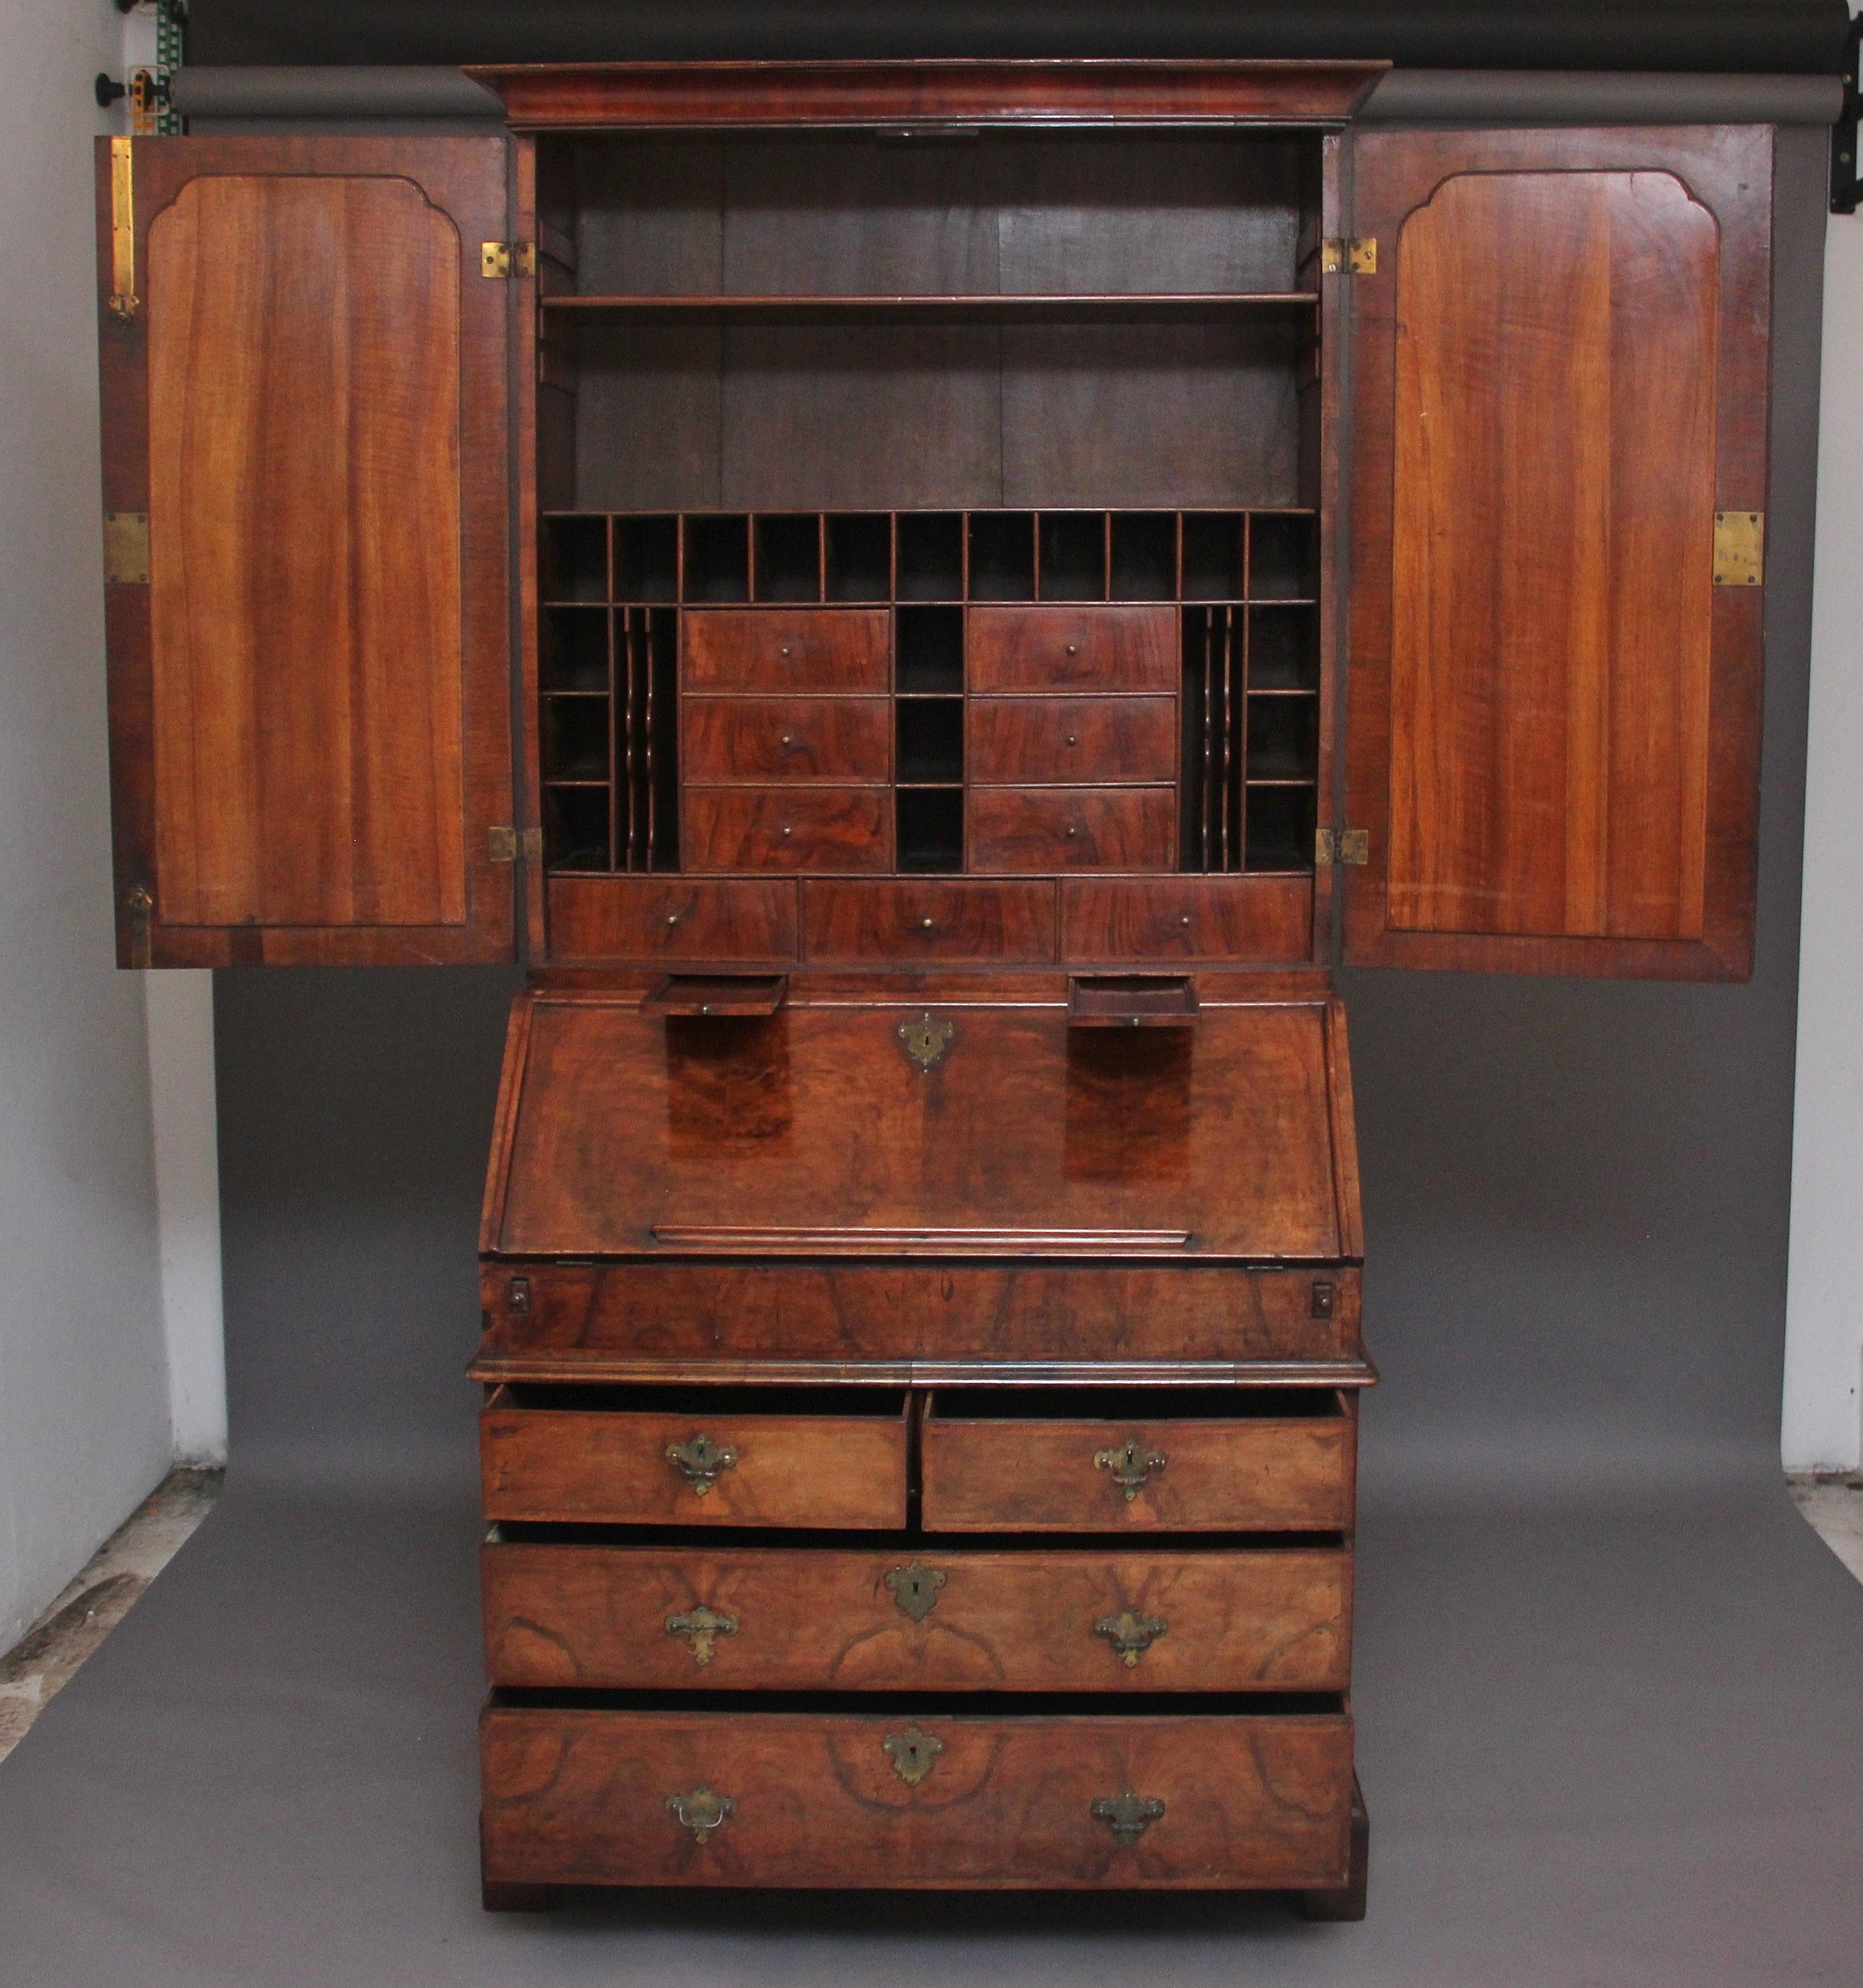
126, 548
1740, 548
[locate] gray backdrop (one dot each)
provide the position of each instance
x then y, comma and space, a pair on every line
1607, 1683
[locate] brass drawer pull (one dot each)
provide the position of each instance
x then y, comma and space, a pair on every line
915, 1588
703, 1626
913, 1754
701, 1812
1131, 1635
700, 1461
1128, 1816
1131, 1465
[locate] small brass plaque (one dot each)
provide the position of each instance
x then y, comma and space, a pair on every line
126, 548
1740, 548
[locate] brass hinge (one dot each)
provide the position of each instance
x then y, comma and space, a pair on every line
140, 906
1350, 846
1740, 548
1349, 254
123, 299
507, 258
126, 548
506, 844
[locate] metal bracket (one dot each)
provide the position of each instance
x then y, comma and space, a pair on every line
126, 548
506, 845
1846, 187
123, 299
1740, 548
507, 258
1342, 845
1348, 255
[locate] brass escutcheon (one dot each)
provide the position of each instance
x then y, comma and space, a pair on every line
913, 1753
701, 1811
700, 1461
928, 1039
915, 1588
1128, 1816
1131, 1635
1131, 1465
702, 1626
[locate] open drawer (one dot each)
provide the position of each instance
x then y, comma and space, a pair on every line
695, 1456
1191, 1460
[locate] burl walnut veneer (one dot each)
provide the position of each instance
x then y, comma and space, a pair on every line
864, 621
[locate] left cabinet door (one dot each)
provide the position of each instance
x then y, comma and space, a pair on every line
306, 476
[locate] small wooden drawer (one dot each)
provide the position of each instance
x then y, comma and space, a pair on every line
1233, 1460
906, 1799
670, 918
690, 1458
1073, 828
786, 649
786, 738
900, 923
612, 1617
1071, 648
1071, 739
1166, 918
787, 828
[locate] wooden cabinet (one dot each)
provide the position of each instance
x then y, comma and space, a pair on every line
921, 619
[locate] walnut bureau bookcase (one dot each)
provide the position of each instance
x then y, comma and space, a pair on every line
929, 602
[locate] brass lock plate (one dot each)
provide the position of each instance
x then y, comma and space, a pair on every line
701, 1627
915, 1588
913, 1753
927, 1040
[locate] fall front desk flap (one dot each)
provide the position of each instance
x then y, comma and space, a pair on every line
889, 1127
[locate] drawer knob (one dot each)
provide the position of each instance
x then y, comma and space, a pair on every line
672, 918
701, 1627
787, 651
1130, 1635
926, 924
913, 1753
787, 829
788, 739
1131, 1465
1184, 920
700, 1461
1128, 1816
1072, 740
701, 1812
915, 1588
1074, 648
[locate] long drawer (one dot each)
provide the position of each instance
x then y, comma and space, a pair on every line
1289, 1466
924, 1617
588, 1796
544, 1456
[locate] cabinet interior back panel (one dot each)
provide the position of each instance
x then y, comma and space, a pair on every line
854, 215
304, 367
909, 416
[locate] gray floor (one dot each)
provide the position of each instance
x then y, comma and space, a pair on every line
1603, 1747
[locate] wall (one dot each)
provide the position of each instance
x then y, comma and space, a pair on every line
1823, 1424
85, 1421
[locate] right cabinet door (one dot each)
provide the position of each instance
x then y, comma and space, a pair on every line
1559, 420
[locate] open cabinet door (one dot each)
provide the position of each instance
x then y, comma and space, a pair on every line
306, 490
1560, 422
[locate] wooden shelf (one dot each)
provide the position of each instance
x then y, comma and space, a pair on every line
1103, 305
